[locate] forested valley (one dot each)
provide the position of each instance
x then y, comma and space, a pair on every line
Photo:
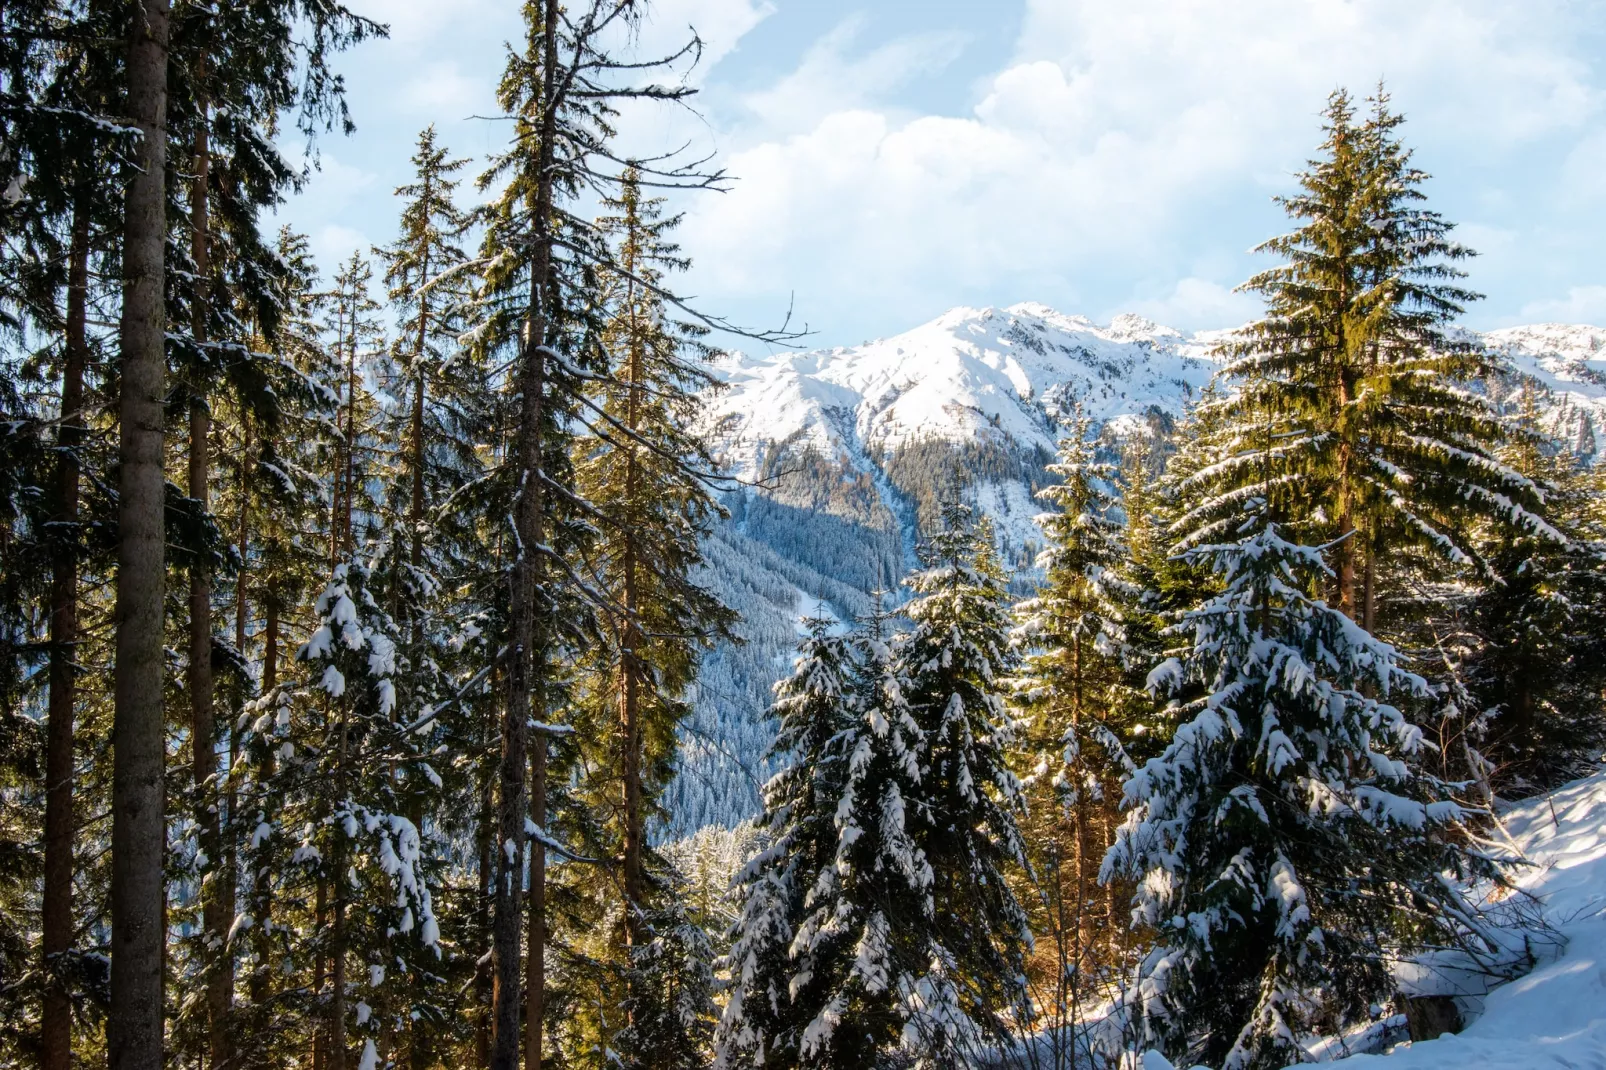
388, 644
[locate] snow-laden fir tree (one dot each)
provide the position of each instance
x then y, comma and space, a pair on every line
763, 1020
670, 1008
1287, 845
863, 945
905, 945
954, 663
352, 907
1069, 692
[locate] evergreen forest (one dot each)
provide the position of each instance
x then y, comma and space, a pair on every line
373, 634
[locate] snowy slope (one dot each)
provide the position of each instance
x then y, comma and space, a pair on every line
1569, 361
1556, 1015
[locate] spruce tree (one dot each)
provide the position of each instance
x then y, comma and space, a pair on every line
1379, 443
1069, 692
534, 303
645, 476
361, 763
426, 277
763, 1020
955, 661
1287, 844
865, 971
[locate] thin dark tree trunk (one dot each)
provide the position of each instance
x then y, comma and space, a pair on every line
630, 648
56, 1011
242, 536
320, 1029
270, 643
342, 893
526, 666
486, 881
339, 500
347, 531
415, 511
417, 1047
535, 935
216, 911
262, 940
1369, 584
138, 900
242, 627
337, 979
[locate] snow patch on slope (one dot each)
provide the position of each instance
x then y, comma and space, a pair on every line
1555, 1015
1569, 362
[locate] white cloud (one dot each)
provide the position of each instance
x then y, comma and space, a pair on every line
1496, 69
334, 243
830, 79
1583, 304
442, 90
1195, 304
1109, 131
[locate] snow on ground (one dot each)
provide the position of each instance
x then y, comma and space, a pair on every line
1554, 1016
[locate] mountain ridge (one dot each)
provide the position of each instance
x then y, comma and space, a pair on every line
843, 452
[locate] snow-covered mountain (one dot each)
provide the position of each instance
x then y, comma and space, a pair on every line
971, 374
848, 448
1568, 362
1013, 373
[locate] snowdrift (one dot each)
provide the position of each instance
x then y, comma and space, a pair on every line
1554, 1016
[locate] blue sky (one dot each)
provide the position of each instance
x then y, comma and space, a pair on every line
894, 159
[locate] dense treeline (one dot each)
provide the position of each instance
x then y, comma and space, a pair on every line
369, 781
1279, 665
358, 620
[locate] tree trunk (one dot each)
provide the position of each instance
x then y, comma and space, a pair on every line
1347, 535
242, 536
340, 499
216, 912
486, 877
535, 952
320, 1028
56, 1010
138, 899
1369, 585
526, 666
630, 647
342, 893
242, 622
415, 511
262, 940
347, 532
337, 980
